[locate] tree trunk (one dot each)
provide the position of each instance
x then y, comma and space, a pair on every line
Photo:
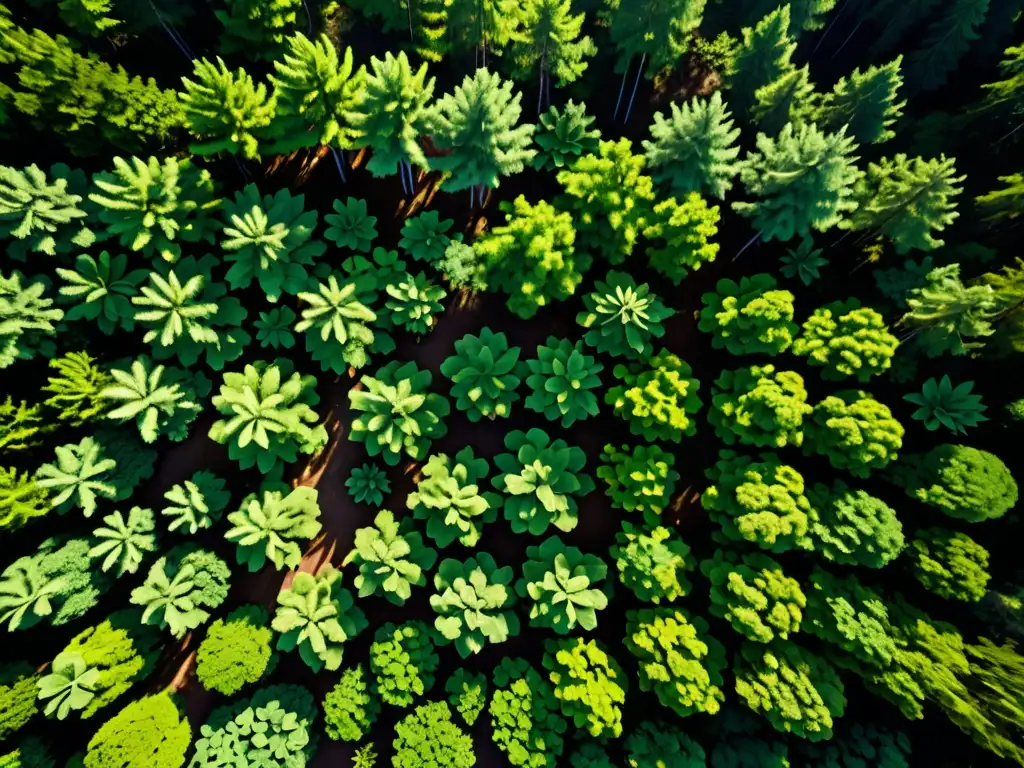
622, 87
750, 242
639, 74
337, 162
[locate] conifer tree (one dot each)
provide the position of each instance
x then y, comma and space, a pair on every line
547, 37
803, 180
1004, 204
391, 116
1007, 95
947, 39
695, 149
480, 26
907, 200
257, 28
225, 110
764, 56
805, 15
790, 98
90, 17
41, 214
316, 95
950, 317
866, 103
475, 127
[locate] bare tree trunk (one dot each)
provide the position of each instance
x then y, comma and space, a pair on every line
337, 162
622, 87
629, 109
750, 242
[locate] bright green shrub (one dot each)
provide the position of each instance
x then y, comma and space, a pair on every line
856, 432
272, 727
396, 414
335, 323
950, 564
541, 477
43, 215
623, 318
350, 707
588, 683
424, 237
851, 617
686, 229
641, 481
18, 691
525, 720
751, 317
562, 378
21, 499
473, 600
414, 301
258, 29
759, 406
962, 482
564, 585
754, 595
846, 339
404, 661
657, 745
317, 616
564, 136
195, 504
272, 528
159, 404
150, 732
449, 498
124, 541
761, 502
350, 226
75, 390
657, 397
22, 425
100, 290
368, 484
26, 319
236, 651
270, 415
427, 738
467, 694
462, 268
852, 527
391, 558
68, 687
179, 587
652, 563
798, 692
79, 478
678, 659
485, 372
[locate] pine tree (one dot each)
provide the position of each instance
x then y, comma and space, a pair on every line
316, 94
950, 317
805, 15
43, 215
695, 149
391, 115
764, 56
1004, 204
476, 129
659, 31
804, 180
947, 40
893, 19
865, 103
226, 110
90, 17
788, 99
907, 200
547, 37
1008, 93
480, 26
258, 28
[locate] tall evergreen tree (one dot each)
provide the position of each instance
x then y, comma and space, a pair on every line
90, 17
789, 99
226, 110
947, 40
475, 127
866, 103
805, 15
803, 180
695, 149
764, 56
894, 20
1008, 93
950, 317
1004, 204
258, 28
481, 27
547, 38
907, 200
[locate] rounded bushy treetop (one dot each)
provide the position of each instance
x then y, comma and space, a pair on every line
622, 318
657, 397
657, 745
562, 379
963, 482
861, 745
856, 432
474, 601
759, 406
589, 683
467, 694
749, 753
641, 481
753, 594
564, 585
350, 707
180, 586
541, 478
273, 527
236, 650
685, 229
449, 497
427, 738
391, 557
485, 372
403, 660
798, 692
751, 317
950, 564
652, 563
525, 720
853, 527
846, 339
760, 502
678, 659
150, 732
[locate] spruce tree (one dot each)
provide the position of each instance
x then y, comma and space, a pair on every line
948, 316
907, 200
480, 27
316, 95
475, 129
789, 99
90, 17
43, 215
1004, 204
659, 31
866, 103
391, 115
764, 56
1008, 94
225, 110
695, 149
258, 28
547, 38
803, 180
805, 15
893, 20
947, 40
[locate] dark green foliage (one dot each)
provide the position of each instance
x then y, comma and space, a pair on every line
236, 651
685, 229
350, 707
350, 226
547, 37
852, 527
368, 484
21, 499
404, 661
257, 28
525, 721
564, 136
135, 460
846, 339
449, 496
623, 318
425, 237
660, 32
861, 745
856, 432
414, 303
749, 317
759, 406
43, 215
467, 694
942, 404
148, 733
949, 317
659, 745
589, 684
474, 601
944, 43
179, 587
949, 563
274, 328
17, 697
565, 586
652, 563
749, 753
101, 289
763, 57
227, 111
485, 372
26, 318
657, 397
804, 262
562, 379
427, 738
335, 322
641, 481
